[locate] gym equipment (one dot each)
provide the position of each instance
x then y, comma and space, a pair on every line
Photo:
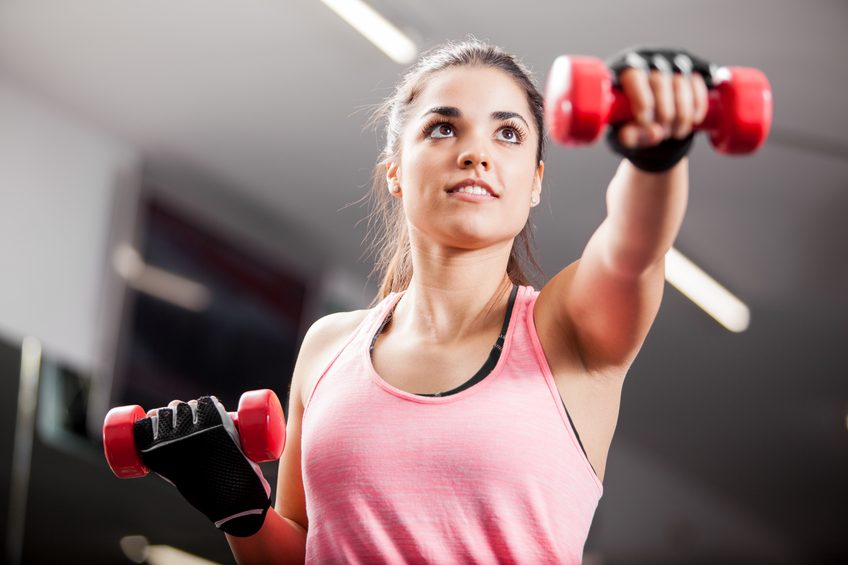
580, 101
259, 420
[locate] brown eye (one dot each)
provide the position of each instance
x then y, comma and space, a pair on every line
441, 131
509, 134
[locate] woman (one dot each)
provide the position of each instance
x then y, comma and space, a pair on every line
393, 453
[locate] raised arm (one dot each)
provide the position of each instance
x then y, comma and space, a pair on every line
605, 302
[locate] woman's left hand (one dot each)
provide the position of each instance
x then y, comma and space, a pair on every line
664, 104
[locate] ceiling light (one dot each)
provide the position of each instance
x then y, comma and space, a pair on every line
379, 31
164, 285
139, 550
704, 291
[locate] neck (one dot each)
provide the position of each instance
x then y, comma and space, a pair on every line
450, 301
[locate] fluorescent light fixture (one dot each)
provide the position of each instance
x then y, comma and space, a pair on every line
30, 356
22, 441
160, 283
138, 550
704, 291
379, 31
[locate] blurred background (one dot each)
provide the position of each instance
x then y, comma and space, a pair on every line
180, 188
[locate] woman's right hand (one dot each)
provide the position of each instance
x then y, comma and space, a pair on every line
195, 446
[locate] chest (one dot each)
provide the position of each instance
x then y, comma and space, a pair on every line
422, 368
358, 430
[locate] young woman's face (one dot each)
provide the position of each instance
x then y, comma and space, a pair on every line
468, 123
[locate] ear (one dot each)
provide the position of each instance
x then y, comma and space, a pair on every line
392, 173
537, 178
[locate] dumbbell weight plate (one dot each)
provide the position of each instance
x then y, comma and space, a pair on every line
742, 123
261, 425
119, 442
578, 99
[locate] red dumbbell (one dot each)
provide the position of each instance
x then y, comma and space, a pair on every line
580, 101
260, 423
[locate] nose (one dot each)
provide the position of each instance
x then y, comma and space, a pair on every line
473, 158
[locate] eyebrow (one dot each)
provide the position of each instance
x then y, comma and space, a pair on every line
453, 112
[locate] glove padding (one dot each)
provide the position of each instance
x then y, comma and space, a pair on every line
670, 151
196, 448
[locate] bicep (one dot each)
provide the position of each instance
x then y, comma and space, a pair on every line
291, 499
607, 314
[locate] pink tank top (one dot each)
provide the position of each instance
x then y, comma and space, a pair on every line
491, 474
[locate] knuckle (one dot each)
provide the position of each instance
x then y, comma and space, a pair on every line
631, 78
644, 104
659, 79
699, 87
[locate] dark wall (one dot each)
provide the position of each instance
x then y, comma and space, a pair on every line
77, 510
10, 363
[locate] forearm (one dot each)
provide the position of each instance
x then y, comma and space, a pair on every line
644, 213
279, 541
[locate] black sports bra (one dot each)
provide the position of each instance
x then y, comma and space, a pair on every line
490, 363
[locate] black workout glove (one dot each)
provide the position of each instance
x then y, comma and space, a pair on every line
664, 156
195, 446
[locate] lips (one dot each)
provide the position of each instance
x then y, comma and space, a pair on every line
473, 182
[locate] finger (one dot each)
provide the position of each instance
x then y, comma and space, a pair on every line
628, 134
167, 421
174, 407
684, 106
208, 410
634, 83
701, 97
192, 404
633, 135
663, 93
184, 418
153, 418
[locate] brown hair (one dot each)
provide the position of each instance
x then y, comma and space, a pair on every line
387, 226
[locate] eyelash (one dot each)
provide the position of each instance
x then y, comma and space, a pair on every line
520, 134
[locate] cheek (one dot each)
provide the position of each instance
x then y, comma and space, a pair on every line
519, 207
520, 177
410, 160
419, 167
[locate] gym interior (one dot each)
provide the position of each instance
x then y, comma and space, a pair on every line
181, 197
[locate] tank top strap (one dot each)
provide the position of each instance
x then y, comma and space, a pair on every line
379, 315
365, 328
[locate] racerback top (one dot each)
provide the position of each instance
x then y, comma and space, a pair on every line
494, 473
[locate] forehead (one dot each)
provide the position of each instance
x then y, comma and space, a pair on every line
473, 90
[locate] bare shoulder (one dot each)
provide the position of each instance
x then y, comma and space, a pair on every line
322, 341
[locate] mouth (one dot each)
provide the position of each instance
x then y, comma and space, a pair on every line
473, 187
